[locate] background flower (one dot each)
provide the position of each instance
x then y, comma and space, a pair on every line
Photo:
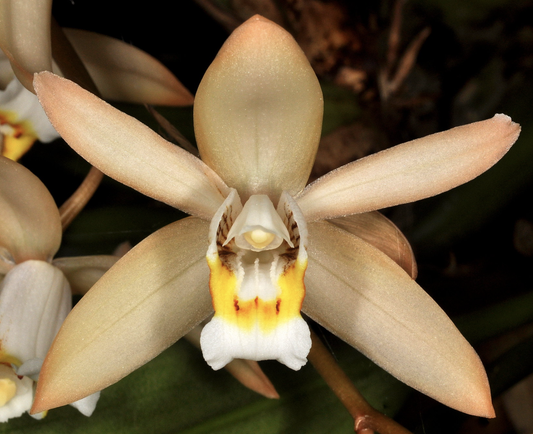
119, 70
35, 293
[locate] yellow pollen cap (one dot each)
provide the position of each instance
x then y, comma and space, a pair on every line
258, 238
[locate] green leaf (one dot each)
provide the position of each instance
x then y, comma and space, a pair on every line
178, 392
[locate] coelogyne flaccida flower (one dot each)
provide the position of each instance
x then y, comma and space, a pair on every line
121, 72
35, 288
257, 118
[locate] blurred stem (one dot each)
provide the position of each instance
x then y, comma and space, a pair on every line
367, 419
77, 201
395, 72
73, 68
394, 37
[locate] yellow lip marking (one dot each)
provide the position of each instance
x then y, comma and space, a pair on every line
267, 314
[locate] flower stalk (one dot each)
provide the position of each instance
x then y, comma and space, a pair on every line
366, 418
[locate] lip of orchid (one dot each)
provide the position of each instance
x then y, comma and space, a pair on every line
257, 288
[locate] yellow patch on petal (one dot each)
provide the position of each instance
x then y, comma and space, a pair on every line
266, 314
16, 137
292, 287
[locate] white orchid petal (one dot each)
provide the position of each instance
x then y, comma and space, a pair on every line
289, 343
83, 272
87, 405
31, 368
411, 171
34, 300
258, 112
148, 300
127, 150
366, 299
247, 372
125, 73
25, 37
31, 226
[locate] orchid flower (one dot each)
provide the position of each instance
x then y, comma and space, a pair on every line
121, 73
35, 289
273, 245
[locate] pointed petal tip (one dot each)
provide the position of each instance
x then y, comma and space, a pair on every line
272, 394
38, 77
43, 400
487, 411
474, 397
51, 392
256, 18
258, 28
512, 127
250, 375
477, 404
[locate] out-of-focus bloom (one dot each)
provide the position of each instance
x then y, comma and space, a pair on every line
35, 289
257, 115
22, 119
120, 71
